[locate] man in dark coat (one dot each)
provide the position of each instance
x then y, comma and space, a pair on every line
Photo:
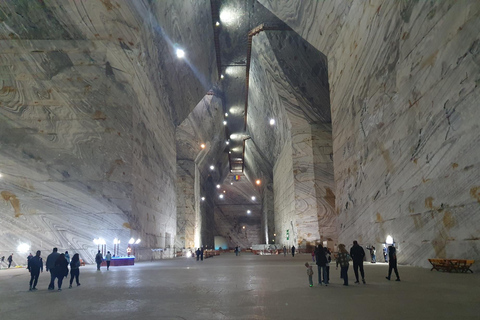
321, 259
392, 262
10, 259
50, 266
293, 251
35, 265
99, 260
357, 253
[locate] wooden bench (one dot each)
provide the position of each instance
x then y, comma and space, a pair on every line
451, 265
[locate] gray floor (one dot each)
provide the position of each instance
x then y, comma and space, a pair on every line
244, 287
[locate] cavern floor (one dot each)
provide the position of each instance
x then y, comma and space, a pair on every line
244, 287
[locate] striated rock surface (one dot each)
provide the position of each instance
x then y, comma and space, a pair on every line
403, 86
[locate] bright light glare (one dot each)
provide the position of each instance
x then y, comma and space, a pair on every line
218, 186
23, 247
258, 182
180, 53
115, 241
233, 136
0, 175
202, 146
203, 198
248, 211
272, 122
243, 227
212, 167
131, 241
221, 196
226, 114
389, 240
227, 142
253, 198
231, 183
224, 123
189, 254
138, 241
222, 76
227, 16
217, 23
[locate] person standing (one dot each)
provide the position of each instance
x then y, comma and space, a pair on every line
98, 260
30, 256
35, 265
236, 250
321, 265
61, 269
328, 255
74, 269
392, 262
357, 253
50, 266
284, 251
108, 258
309, 273
197, 253
10, 259
385, 253
201, 253
342, 260
293, 251
67, 256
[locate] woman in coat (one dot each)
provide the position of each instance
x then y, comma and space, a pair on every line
342, 260
75, 269
61, 270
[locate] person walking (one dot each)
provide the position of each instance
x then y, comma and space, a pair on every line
321, 265
75, 269
342, 260
284, 251
61, 269
236, 250
309, 273
35, 265
385, 254
108, 258
328, 255
392, 262
201, 253
357, 253
50, 266
197, 253
67, 256
98, 260
293, 251
10, 259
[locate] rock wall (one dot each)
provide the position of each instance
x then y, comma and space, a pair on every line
88, 107
404, 85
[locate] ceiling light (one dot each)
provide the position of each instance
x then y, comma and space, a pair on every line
222, 76
231, 183
217, 23
202, 146
243, 227
221, 196
212, 167
23, 248
258, 182
233, 136
272, 122
248, 211
226, 114
203, 198
253, 198
224, 191
218, 186
227, 142
224, 123
180, 53
229, 152
131, 241
227, 16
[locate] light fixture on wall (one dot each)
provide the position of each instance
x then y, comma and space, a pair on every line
227, 142
243, 227
231, 183
224, 122
258, 182
180, 53
222, 76
226, 114
203, 198
221, 196
217, 23
254, 198
249, 211
218, 186
224, 191
272, 122
202, 146
212, 167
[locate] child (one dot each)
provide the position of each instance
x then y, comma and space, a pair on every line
309, 273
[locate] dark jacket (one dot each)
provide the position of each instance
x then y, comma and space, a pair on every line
98, 258
357, 253
61, 267
320, 257
392, 253
51, 259
75, 265
35, 264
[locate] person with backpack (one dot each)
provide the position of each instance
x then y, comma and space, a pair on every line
392, 262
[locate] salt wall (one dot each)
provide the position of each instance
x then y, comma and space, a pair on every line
90, 96
404, 91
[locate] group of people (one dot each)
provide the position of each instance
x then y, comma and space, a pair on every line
322, 256
57, 265
9, 259
293, 249
199, 253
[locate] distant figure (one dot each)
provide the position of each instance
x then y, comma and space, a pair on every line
35, 265
99, 259
61, 269
328, 255
357, 253
342, 260
313, 255
372, 253
29, 257
321, 265
385, 253
50, 266
108, 258
3, 258
67, 256
293, 251
197, 253
201, 253
236, 250
309, 273
239, 250
75, 269
392, 264
10, 259
284, 251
